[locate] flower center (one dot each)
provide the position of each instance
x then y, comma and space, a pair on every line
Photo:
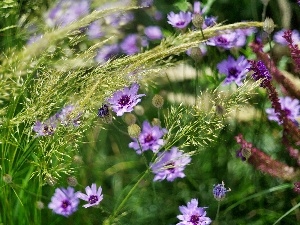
233, 72
65, 204
171, 167
222, 40
194, 219
180, 23
288, 112
148, 138
48, 130
93, 199
124, 100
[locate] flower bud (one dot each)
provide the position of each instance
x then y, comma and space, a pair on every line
246, 152
130, 118
268, 25
39, 205
219, 191
139, 110
72, 181
77, 159
197, 20
156, 122
134, 130
196, 54
157, 101
7, 178
50, 180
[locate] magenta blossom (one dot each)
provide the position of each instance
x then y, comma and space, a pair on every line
170, 164
180, 20
192, 214
149, 139
124, 100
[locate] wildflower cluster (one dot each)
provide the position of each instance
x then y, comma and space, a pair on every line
99, 56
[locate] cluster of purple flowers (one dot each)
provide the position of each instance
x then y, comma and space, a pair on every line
182, 19
64, 117
65, 201
169, 164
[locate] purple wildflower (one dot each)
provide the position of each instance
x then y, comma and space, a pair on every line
209, 21
124, 100
153, 32
107, 52
131, 44
94, 30
67, 117
260, 72
170, 165
202, 48
67, 11
64, 201
192, 214
278, 37
45, 128
289, 105
226, 40
219, 191
180, 20
92, 196
149, 138
197, 8
235, 70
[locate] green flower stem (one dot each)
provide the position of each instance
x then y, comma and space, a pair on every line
218, 210
125, 199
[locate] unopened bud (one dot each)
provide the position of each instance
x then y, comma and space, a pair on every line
268, 25
134, 131
139, 110
39, 205
157, 101
72, 181
195, 53
197, 20
50, 180
129, 118
7, 178
156, 122
246, 152
77, 159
